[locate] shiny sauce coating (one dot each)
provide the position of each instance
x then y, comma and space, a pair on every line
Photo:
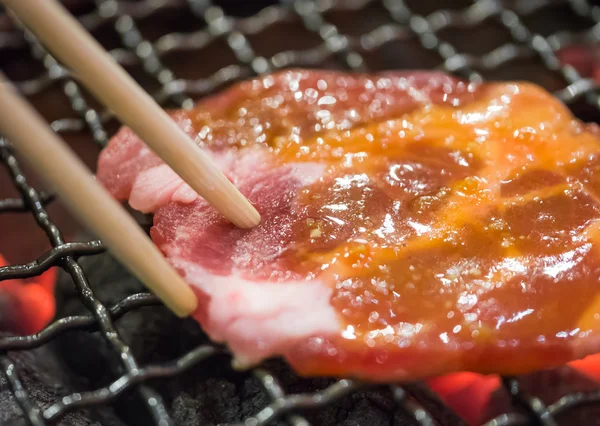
457, 226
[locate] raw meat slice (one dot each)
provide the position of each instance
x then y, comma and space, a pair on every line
413, 224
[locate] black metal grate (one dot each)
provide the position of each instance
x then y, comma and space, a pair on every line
486, 39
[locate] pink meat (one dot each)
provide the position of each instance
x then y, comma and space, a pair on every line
126, 156
237, 269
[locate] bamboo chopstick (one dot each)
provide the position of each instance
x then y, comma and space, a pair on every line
62, 34
89, 201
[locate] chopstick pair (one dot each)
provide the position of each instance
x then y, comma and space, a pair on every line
62, 34
89, 201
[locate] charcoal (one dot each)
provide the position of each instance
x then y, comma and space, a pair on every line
46, 379
550, 386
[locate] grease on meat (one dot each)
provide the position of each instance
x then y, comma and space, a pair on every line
413, 224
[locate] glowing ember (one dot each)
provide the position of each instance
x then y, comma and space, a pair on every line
27, 306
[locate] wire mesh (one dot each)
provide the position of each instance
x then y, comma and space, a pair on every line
430, 36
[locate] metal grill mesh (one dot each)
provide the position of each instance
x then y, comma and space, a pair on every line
382, 34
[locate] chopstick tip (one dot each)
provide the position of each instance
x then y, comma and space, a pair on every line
251, 219
184, 310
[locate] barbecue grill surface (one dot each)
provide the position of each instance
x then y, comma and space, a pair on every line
161, 370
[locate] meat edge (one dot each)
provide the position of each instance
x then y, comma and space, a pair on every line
259, 320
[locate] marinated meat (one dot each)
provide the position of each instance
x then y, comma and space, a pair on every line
413, 224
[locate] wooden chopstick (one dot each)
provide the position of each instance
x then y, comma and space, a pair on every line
89, 201
62, 34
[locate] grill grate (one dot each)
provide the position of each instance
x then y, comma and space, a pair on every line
431, 38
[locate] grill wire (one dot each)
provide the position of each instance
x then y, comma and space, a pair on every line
403, 22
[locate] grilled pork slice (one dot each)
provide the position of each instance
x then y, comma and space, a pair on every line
413, 224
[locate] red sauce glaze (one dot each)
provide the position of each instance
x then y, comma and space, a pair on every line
469, 241
292, 107
459, 235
